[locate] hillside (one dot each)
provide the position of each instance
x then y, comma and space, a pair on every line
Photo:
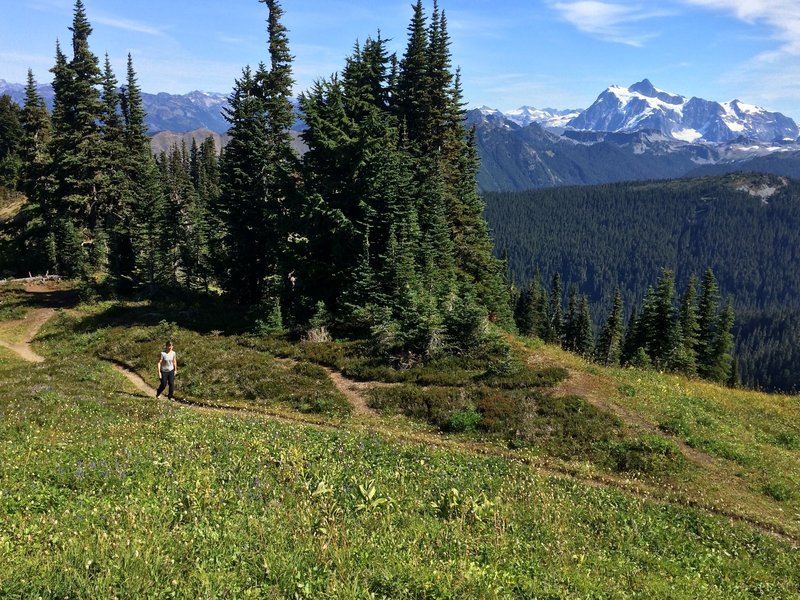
663, 486
742, 226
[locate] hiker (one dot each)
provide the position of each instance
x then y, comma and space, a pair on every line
167, 369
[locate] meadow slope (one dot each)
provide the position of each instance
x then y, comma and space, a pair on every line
274, 478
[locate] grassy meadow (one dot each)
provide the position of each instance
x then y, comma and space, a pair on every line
469, 478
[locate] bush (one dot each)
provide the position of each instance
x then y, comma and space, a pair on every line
268, 318
649, 454
526, 378
432, 405
463, 421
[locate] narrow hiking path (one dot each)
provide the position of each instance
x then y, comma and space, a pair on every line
30, 325
17, 335
598, 392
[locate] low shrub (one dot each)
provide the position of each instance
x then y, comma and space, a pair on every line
463, 421
648, 454
779, 491
526, 378
434, 405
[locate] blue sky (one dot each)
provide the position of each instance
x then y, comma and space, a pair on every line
543, 53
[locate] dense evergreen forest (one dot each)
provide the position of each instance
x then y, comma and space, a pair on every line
746, 227
377, 229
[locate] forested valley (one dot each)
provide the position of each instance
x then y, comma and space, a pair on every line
597, 238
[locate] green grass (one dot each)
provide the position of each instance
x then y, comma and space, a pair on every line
105, 493
13, 304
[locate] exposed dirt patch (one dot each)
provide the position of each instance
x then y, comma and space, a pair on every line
354, 391
31, 324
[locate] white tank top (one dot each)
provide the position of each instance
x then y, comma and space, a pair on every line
168, 361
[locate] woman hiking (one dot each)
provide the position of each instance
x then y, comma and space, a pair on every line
167, 369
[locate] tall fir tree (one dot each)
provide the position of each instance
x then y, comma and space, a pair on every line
722, 365
11, 141
707, 309
76, 149
689, 327
609, 344
137, 238
570, 338
258, 184
584, 332
555, 328
37, 128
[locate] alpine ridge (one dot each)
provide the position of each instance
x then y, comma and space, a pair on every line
643, 106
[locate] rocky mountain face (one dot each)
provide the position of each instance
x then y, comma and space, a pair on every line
643, 106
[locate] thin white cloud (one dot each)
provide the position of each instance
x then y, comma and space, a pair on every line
609, 21
782, 17
127, 25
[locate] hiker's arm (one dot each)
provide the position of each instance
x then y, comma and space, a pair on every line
175, 364
158, 366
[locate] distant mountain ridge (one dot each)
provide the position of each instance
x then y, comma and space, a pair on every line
165, 112
628, 134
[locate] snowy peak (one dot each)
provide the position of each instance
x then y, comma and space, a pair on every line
648, 90
643, 106
546, 117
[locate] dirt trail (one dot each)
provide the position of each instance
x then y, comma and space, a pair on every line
33, 321
637, 489
354, 391
598, 392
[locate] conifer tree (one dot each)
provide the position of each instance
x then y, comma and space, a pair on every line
555, 326
722, 365
689, 327
139, 232
661, 340
584, 333
631, 342
707, 309
570, 338
413, 85
76, 148
609, 344
258, 182
11, 140
35, 121
31, 238
528, 316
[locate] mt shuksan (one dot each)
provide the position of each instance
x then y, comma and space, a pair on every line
643, 106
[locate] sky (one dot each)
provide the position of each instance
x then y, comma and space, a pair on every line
541, 53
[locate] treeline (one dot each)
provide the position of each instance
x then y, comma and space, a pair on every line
602, 237
378, 228
689, 335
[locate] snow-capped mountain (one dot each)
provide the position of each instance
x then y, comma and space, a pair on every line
643, 106
546, 117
